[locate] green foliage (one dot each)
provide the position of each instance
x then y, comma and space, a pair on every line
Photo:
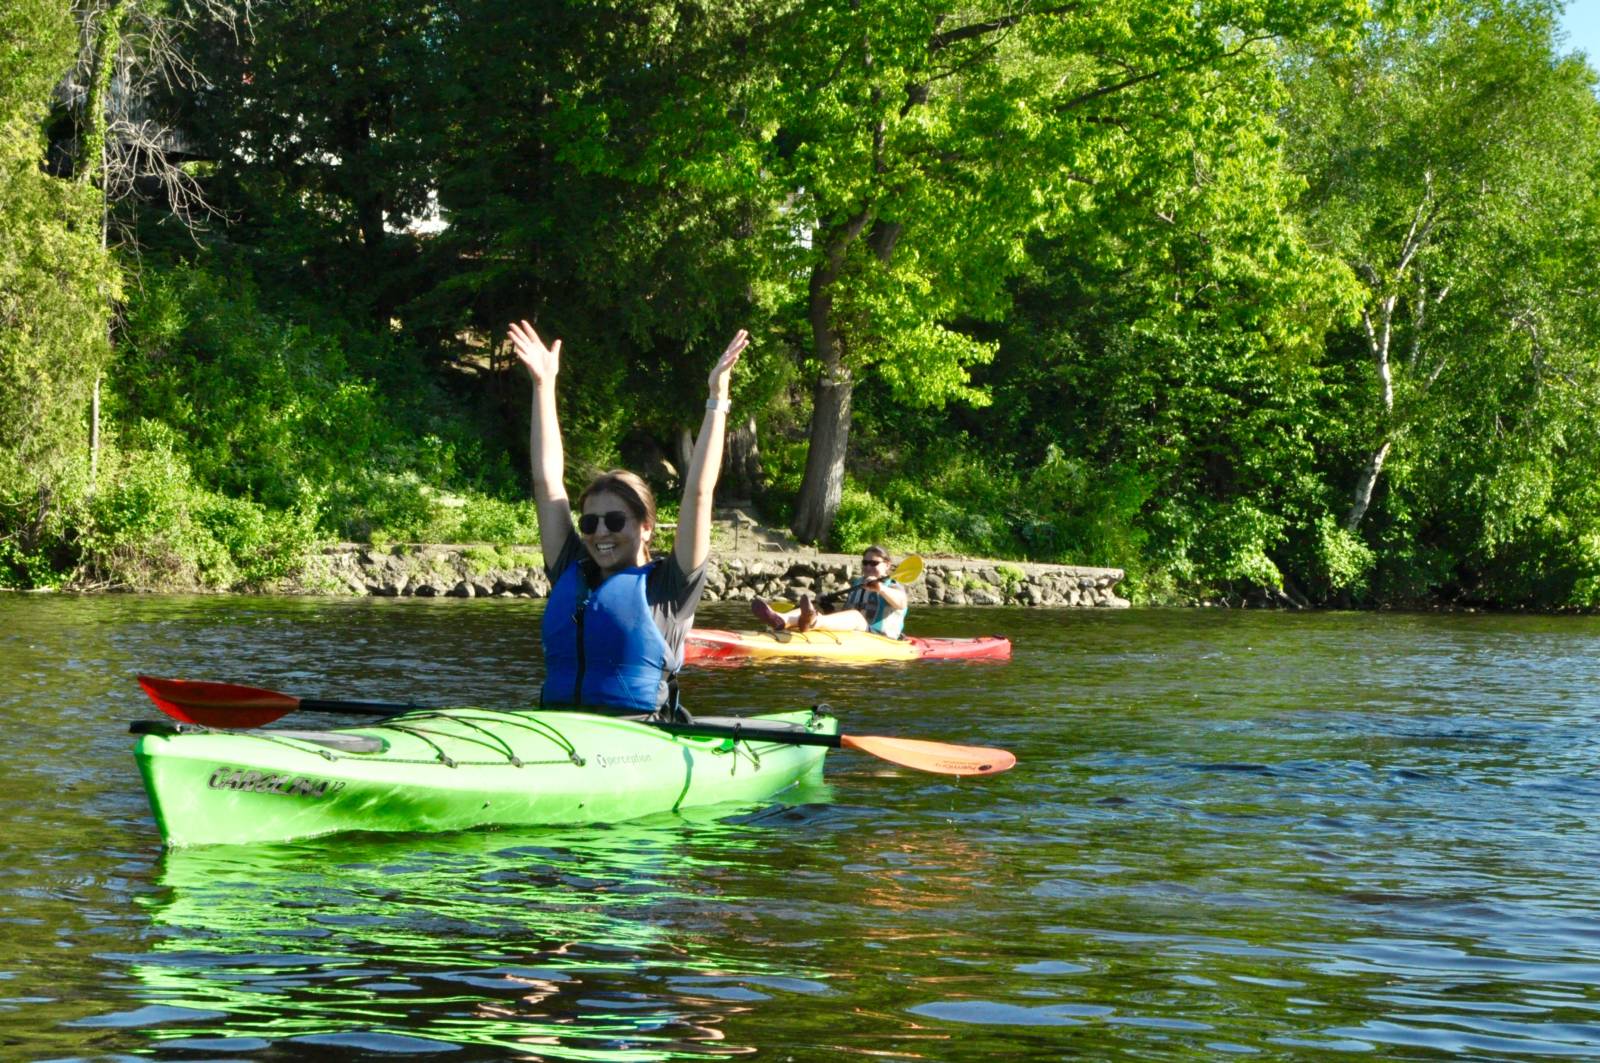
1585, 588
276, 412
864, 520
953, 502
479, 559
1344, 561
153, 526
494, 520
56, 287
1099, 281
1083, 515
1452, 161
42, 552
959, 500
891, 161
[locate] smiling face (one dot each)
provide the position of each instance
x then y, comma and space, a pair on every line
614, 550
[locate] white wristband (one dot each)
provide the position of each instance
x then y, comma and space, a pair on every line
720, 405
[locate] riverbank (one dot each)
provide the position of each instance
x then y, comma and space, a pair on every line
742, 573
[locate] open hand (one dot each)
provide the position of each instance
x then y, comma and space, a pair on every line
543, 362
725, 364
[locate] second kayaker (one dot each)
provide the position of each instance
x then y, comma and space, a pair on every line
876, 602
616, 620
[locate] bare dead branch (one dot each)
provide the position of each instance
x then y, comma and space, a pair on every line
139, 152
945, 38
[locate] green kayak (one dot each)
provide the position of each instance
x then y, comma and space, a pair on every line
453, 769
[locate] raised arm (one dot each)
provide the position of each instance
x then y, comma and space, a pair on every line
693, 542
544, 439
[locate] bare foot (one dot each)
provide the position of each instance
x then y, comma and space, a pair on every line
767, 615
808, 613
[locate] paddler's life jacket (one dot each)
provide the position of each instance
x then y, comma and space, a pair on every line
873, 606
601, 645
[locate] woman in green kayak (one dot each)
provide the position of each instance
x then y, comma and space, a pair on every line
616, 620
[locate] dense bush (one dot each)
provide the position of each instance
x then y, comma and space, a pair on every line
154, 526
312, 417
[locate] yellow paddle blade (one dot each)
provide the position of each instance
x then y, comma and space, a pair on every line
908, 571
942, 758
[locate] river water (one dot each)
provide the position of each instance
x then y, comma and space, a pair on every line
1272, 836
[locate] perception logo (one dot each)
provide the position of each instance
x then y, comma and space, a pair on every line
617, 762
265, 782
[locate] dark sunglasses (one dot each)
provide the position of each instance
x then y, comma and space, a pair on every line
868, 562
616, 520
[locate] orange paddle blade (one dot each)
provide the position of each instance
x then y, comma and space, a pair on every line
940, 757
217, 704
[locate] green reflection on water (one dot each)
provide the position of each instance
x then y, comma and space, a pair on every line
586, 944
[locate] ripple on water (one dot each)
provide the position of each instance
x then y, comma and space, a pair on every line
1227, 834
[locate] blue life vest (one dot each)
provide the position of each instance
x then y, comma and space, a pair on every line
602, 646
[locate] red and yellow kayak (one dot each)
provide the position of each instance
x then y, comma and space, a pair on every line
709, 644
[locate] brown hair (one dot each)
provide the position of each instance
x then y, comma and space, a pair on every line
879, 551
634, 492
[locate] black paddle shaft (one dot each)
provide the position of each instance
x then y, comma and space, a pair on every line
753, 733
358, 708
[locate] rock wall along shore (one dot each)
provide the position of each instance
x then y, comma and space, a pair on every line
487, 571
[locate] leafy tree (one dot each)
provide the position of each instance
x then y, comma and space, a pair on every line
918, 149
313, 122
584, 192
351, 122
55, 283
130, 59
879, 166
1453, 164
127, 57
1159, 379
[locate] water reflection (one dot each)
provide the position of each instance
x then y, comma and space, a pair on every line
567, 945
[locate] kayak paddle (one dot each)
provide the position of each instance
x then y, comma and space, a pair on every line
211, 704
231, 705
907, 571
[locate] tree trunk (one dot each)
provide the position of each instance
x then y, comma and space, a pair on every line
94, 131
358, 183
822, 488
685, 454
742, 464
1379, 335
1364, 487
94, 436
94, 127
